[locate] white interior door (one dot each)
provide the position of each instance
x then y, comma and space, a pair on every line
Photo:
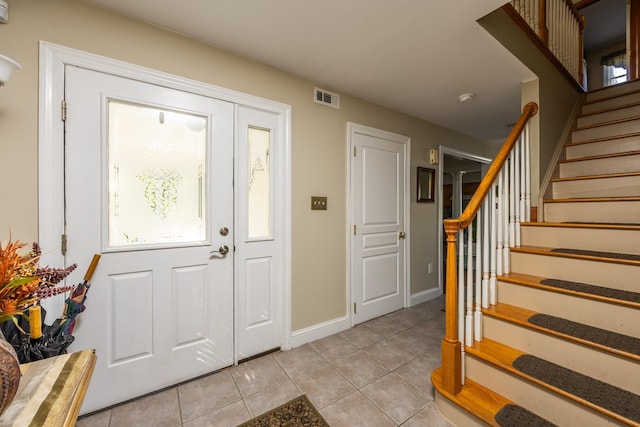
378, 189
148, 184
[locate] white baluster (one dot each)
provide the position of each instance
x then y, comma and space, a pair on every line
495, 255
561, 21
463, 366
523, 170
564, 27
512, 201
533, 7
498, 224
461, 300
486, 245
461, 288
469, 291
560, 24
553, 30
557, 26
527, 174
506, 201
516, 193
578, 53
576, 47
477, 316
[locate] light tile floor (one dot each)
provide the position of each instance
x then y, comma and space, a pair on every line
375, 374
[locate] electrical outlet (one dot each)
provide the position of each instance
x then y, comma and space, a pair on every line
318, 203
430, 268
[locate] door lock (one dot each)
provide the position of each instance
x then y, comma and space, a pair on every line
224, 231
222, 250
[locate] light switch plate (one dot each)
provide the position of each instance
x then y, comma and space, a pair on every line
318, 203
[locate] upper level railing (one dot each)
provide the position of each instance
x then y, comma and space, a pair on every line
501, 202
560, 27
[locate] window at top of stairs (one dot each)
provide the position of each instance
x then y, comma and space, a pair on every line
614, 68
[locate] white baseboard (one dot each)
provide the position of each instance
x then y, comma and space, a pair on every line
320, 330
334, 326
424, 296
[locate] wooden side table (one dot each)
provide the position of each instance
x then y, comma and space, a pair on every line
51, 391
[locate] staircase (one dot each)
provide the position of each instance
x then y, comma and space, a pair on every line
562, 345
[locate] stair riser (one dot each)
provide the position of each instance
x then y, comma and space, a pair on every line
546, 404
619, 101
621, 164
597, 364
612, 146
455, 414
627, 186
613, 91
623, 212
605, 130
621, 241
608, 116
617, 276
613, 317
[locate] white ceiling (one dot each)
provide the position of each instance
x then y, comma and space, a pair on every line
414, 56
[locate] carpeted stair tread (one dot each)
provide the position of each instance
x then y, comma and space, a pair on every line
609, 224
618, 294
614, 255
517, 416
589, 333
606, 396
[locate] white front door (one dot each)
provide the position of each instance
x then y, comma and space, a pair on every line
378, 193
148, 184
259, 238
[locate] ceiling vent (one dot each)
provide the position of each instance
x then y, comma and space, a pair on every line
325, 97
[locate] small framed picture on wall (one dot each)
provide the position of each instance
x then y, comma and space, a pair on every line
426, 184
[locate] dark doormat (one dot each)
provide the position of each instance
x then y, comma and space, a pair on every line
599, 393
517, 416
298, 412
589, 333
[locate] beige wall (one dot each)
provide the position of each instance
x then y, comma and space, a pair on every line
319, 142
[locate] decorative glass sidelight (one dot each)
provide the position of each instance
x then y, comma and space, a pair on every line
258, 183
156, 175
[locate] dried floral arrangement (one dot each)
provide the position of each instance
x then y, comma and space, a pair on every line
23, 282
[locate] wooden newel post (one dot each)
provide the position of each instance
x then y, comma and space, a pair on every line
543, 31
451, 357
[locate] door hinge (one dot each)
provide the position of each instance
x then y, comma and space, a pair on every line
355, 310
354, 230
354, 151
63, 244
64, 110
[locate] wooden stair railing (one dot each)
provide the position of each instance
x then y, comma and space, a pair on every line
503, 195
558, 26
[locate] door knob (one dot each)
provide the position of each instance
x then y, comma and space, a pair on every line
402, 235
222, 250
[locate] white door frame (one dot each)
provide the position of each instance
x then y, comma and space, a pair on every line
53, 59
352, 127
462, 154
